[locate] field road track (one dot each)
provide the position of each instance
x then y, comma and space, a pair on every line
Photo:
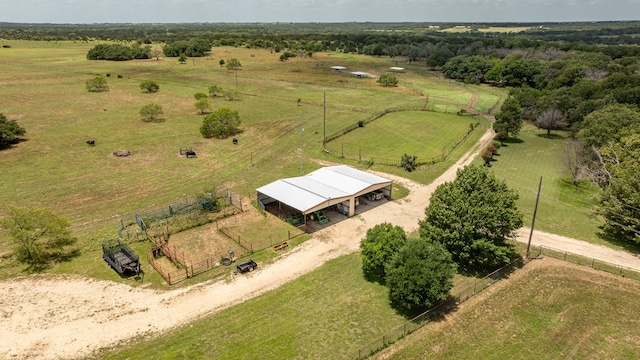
65, 317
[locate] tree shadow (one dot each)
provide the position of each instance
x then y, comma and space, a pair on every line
434, 313
12, 144
552, 136
619, 241
373, 277
511, 140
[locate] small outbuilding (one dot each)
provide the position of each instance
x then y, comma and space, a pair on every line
334, 185
359, 73
338, 68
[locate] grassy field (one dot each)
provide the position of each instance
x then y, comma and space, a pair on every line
322, 315
564, 208
43, 87
424, 134
552, 310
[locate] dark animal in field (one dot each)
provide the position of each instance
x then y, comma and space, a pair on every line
91, 142
190, 153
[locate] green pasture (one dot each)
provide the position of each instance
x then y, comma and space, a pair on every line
564, 208
552, 311
425, 134
43, 88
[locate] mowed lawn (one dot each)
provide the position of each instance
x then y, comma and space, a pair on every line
548, 310
564, 209
425, 134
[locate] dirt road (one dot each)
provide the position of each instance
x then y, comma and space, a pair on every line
46, 317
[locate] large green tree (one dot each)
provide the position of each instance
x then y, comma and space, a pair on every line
472, 217
608, 125
379, 245
420, 275
10, 131
621, 198
220, 124
509, 119
39, 236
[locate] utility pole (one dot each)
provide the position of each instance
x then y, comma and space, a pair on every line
301, 130
324, 130
533, 222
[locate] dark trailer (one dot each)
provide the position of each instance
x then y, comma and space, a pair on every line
121, 258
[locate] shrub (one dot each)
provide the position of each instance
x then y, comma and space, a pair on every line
408, 162
97, 84
152, 113
149, 86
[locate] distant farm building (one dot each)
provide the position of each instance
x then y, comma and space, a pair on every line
335, 188
359, 73
396, 69
338, 68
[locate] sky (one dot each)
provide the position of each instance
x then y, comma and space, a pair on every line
230, 11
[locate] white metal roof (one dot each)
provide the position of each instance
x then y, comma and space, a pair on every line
323, 187
338, 67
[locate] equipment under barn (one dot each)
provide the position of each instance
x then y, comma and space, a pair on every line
337, 187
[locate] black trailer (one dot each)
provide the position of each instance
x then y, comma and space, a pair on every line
247, 266
121, 258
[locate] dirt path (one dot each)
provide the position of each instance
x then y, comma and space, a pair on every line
46, 317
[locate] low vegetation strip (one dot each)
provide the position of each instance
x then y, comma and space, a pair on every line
590, 262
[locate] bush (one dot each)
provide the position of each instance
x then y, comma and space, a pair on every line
10, 131
221, 124
152, 113
97, 84
388, 80
408, 162
149, 86
200, 95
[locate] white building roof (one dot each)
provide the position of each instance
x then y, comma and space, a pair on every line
395, 68
337, 67
324, 187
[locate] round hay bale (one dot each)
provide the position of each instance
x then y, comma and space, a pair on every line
122, 153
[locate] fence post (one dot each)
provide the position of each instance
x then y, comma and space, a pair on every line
592, 262
565, 256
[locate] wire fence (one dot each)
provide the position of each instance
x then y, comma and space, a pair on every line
596, 264
182, 267
191, 211
354, 152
